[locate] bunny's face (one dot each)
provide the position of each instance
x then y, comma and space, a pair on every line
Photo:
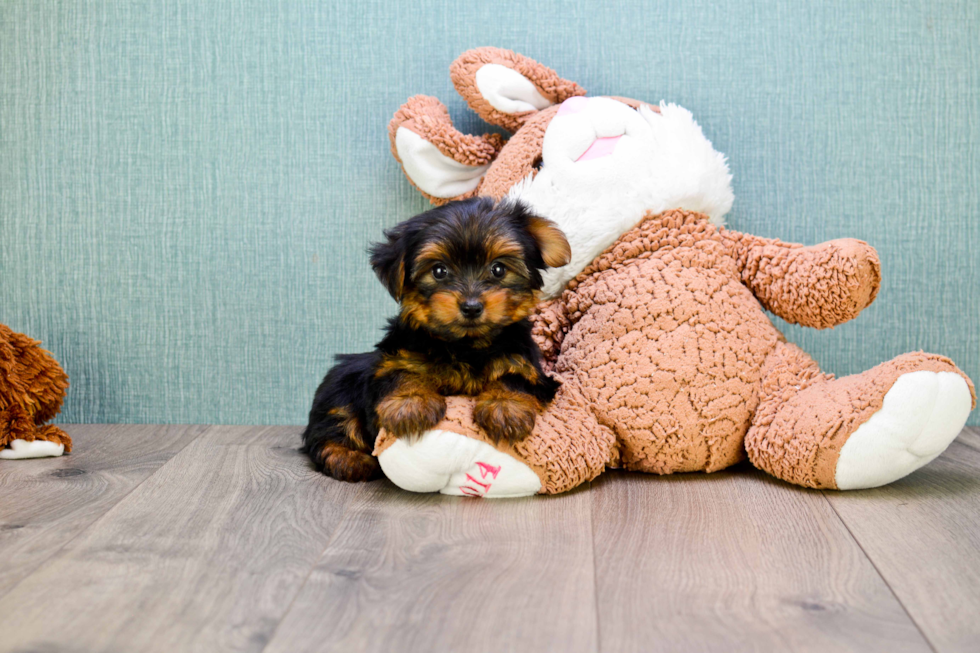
595, 166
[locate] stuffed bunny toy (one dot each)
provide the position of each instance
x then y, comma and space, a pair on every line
657, 328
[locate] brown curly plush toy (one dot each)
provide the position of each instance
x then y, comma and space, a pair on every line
657, 327
32, 388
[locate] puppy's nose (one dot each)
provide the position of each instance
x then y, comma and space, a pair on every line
471, 308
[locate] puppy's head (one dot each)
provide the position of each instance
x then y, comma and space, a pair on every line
468, 268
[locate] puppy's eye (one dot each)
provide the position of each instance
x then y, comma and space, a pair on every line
439, 271
498, 270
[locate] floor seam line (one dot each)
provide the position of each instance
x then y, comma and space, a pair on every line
891, 590
313, 567
595, 573
85, 529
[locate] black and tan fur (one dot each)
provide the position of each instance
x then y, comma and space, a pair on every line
466, 276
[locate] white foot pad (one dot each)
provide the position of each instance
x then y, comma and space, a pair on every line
921, 414
34, 449
450, 463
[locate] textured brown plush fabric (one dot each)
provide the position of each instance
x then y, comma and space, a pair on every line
523, 151
549, 84
32, 388
429, 118
768, 267
806, 416
669, 363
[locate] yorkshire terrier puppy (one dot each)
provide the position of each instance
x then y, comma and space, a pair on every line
466, 276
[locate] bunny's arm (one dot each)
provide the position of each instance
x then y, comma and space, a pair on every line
819, 286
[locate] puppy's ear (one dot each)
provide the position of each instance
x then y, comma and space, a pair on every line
388, 259
552, 243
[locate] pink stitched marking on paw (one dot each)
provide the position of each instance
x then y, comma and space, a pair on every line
489, 469
473, 492
485, 486
600, 147
572, 105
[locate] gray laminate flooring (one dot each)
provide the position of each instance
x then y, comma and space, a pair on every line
223, 538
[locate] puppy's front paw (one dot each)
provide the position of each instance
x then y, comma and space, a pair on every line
345, 464
411, 415
506, 418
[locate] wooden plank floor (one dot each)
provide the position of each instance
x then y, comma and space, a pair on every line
166, 538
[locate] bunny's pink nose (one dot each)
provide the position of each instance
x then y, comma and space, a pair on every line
572, 105
600, 146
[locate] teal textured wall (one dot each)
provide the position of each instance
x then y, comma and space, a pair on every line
187, 188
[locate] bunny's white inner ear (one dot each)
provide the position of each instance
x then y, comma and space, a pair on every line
508, 91
431, 170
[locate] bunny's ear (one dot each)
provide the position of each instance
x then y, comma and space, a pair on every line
507, 88
439, 160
